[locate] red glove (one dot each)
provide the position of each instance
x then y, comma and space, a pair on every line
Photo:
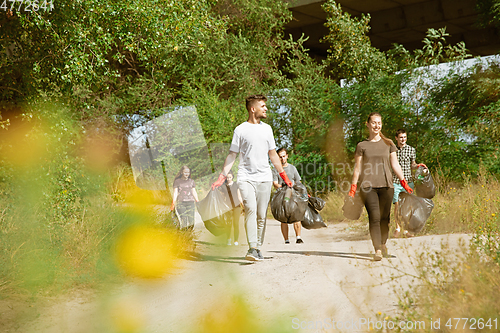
352, 192
422, 164
308, 195
172, 206
285, 179
404, 183
219, 181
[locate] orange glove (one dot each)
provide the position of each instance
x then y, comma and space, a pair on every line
287, 181
352, 192
422, 164
404, 183
219, 181
172, 206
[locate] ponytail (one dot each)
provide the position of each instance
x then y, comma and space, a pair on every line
387, 141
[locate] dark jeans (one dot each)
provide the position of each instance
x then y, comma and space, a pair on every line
186, 212
235, 222
378, 205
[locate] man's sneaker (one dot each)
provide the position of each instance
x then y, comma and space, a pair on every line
378, 255
299, 241
236, 243
287, 241
252, 255
407, 234
261, 257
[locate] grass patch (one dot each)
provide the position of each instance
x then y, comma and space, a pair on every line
451, 285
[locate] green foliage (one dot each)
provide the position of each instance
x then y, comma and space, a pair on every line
467, 108
435, 51
351, 54
403, 97
307, 110
420, 102
489, 12
94, 49
103, 62
55, 229
118, 58
218, 116
382, 94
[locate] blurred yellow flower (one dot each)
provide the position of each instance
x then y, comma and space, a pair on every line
146, 251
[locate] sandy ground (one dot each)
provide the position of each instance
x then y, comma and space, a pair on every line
298, 287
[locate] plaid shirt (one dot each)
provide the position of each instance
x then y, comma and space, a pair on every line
406, 155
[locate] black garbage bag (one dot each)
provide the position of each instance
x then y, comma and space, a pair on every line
424, 184
214, 211
317, 203
353, 207
312, 219
289, 204
414, 211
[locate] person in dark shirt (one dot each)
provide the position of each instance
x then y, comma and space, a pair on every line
406, 158
294, 176
185, 197
235, 204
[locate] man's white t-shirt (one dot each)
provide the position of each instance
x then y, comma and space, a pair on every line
253, 142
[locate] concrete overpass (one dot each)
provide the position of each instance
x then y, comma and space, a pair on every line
398, 21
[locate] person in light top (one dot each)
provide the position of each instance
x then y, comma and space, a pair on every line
254, 141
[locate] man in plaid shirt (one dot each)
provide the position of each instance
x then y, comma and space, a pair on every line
406, 157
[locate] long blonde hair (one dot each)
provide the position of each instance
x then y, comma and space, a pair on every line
387, 141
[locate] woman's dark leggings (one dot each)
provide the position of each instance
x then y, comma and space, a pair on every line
235, 222
186, 210
378, 205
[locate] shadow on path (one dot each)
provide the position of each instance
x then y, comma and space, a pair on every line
210, 244
194, 256
363, 256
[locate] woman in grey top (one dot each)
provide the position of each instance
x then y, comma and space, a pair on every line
374, 158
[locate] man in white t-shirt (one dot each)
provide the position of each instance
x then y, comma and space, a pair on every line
254, 141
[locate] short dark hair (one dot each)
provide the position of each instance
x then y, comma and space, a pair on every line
400, 131
251, 100
281, 149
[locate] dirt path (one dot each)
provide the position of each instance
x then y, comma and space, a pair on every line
330, 277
